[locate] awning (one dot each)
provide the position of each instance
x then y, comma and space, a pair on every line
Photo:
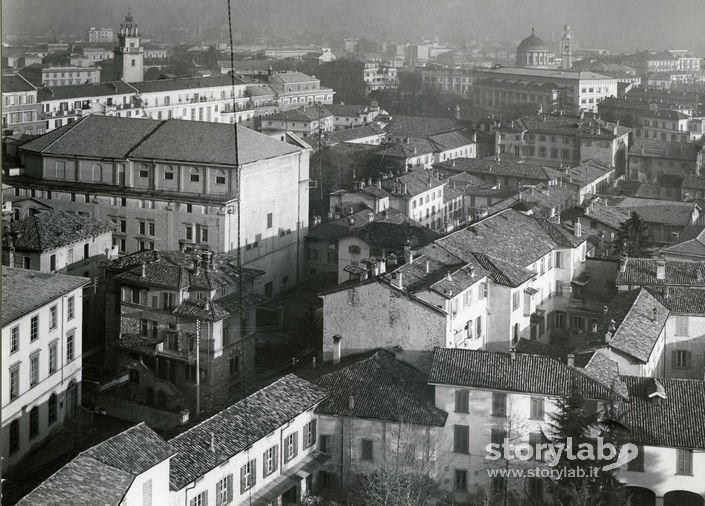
289, 478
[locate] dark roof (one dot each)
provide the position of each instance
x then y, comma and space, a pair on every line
15, 83
24, 290
605, 370
653, 148
419, 127
347, 225
691, 242
533, 347
532, 43
660, 211
188, 141
84, 90
677, 421
351, 134
382, 388
681, 299
48, 230
588, 171
394, 236
642, 271
531, 374
105, 472
568, 125
608, 215
693, 181
638, 328
184, 83
502, 167
305, 113
346, 109
239, 426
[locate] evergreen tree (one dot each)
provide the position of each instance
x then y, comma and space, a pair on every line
575, 427
633, 237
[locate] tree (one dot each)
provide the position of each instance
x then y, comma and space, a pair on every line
574, 426
633, 237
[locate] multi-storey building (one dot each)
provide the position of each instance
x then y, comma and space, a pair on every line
532, 52
558, 140
304, 121
129, 53
581, 91
172, 184
447, 80
41, 356
97, 54
53, 76
295, 89
21, 112
379, 76
650, 159
514, 95
100, 34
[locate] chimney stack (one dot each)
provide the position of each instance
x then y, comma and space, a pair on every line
513, 353
212, 445
623, 262
337, 348
661, 269
428, 266
571, 360
408, 254
144, 270
654, 316
578, 228
351, 403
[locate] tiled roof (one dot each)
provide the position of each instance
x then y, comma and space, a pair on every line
605, 370
415, 147
676, 421
237, 427
660, 211
509, 239
15, 83
345, 226
352, 110
48, 230
419, 127
417, 181
501, 168
24, 290
653, 148
104, 89
642, 271
306, 113
524, 84
351, 134
691, 242
531, 374
639, 319
693, 181
394, 236
533, 347
607, 215
190, 84
587, 127
381, 388
681, 299
105, 472
293, 77
588, 171
187, 141
449, 140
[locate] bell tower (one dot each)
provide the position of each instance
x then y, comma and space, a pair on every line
567, 48
129, 54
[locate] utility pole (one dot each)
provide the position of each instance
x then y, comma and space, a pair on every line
198, 367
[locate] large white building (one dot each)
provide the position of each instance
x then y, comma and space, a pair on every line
42, 338
172, 184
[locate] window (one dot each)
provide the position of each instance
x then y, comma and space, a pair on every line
52, 263
269, 220
290, 446
560, 319
14, 436
34, 328
123, 202
497, 437
461, 439
367, 450
69, 346
195, 178
219, 179
310, 434
681, 325
34, 422
52, 317
224, 491
248, 476
14, 382
354, 249
27, 263
270, 461
680, 359
558, 260
33, 369
515, 300
200, 500
478, 326
462, 401
536, 408
461, 479
685, 462
535, 439
324, 443
147, 493
499, 404
268, 289
637, 464
189, 233
169, 175
70, 308
14, 339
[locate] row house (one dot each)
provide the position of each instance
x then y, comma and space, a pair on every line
668, 125
502, 173
352, 116
42, 318
689, 246
435, 148
261, 450
304, 122
171, 184
447, 80
508, 264
557, 140
650, 159
295, 89
21, 112
513, 95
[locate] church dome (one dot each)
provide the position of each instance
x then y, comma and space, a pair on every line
532, 43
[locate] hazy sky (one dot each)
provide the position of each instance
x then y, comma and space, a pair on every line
596, 23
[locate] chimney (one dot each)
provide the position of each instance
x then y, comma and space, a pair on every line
212, 445
623, 263
660, 269
578, 228
144, 270
379, 183
336, 348
611, 329
654, 315
370, 216
513, 353
408, 254
428, 266
571, 360
351, 403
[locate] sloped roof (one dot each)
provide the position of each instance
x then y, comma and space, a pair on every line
381, 388
306, 113
48, 230
502, 167
653, 148
639, 319
677, 421
681, 299
104, 89
15, 83
691, 242
345, 226
642, 271
531, 374
24, 290
419, 127
185, 83
237, 427
103, 473
188, 141
292, 77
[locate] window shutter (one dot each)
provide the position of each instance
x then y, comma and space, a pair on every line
264, 463
242, 479
296, 443
192, 502
313, 432
219, 492
687, 359
254, 471
276, 457
229, 485
205, 498
674, 359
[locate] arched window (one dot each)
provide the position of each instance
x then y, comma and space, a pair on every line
14, 436
53, 408
97, 172
34, 422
